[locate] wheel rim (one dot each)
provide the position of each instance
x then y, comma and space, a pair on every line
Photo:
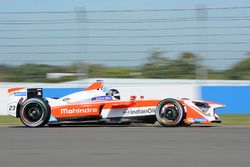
33, 113
169, 114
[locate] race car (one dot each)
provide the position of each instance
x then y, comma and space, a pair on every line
101, 105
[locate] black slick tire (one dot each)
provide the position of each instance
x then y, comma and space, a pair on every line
34, 112
170, 112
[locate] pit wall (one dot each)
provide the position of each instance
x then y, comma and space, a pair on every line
234, 94
236, 98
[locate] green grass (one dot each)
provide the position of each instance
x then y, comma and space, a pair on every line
235, 119
9, 120
229, 119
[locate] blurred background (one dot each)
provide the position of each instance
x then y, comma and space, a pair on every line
197, 49
60, 40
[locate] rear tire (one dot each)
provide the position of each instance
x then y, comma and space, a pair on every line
169, 112
34, 112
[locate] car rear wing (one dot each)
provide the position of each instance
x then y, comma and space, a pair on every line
18, 95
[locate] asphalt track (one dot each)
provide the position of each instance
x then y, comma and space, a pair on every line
227, 146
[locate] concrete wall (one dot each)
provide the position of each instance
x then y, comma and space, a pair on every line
236, 98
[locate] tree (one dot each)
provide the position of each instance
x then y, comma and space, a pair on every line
185, 66
156, 66
159, 66
240, 71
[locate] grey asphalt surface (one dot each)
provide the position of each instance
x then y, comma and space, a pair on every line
227, 146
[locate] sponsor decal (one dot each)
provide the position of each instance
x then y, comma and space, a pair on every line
74, 111
78, 110
199, 120
102, 98
139, 111
20, 93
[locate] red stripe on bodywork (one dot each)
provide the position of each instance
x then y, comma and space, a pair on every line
14, 89
128, 104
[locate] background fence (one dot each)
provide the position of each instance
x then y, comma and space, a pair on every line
194, 43
40, 47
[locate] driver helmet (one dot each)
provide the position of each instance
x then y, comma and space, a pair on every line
114, 93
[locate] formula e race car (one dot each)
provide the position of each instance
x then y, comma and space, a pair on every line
95, 104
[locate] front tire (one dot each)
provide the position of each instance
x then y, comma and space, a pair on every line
169, 112
34, 112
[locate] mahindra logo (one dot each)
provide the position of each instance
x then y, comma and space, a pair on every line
78, 110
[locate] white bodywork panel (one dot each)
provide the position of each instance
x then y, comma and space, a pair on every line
83, 96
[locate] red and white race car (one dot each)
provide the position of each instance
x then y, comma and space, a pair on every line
94, 104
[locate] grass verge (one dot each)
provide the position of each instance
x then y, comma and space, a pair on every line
235, 119
9, 120
227, 119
